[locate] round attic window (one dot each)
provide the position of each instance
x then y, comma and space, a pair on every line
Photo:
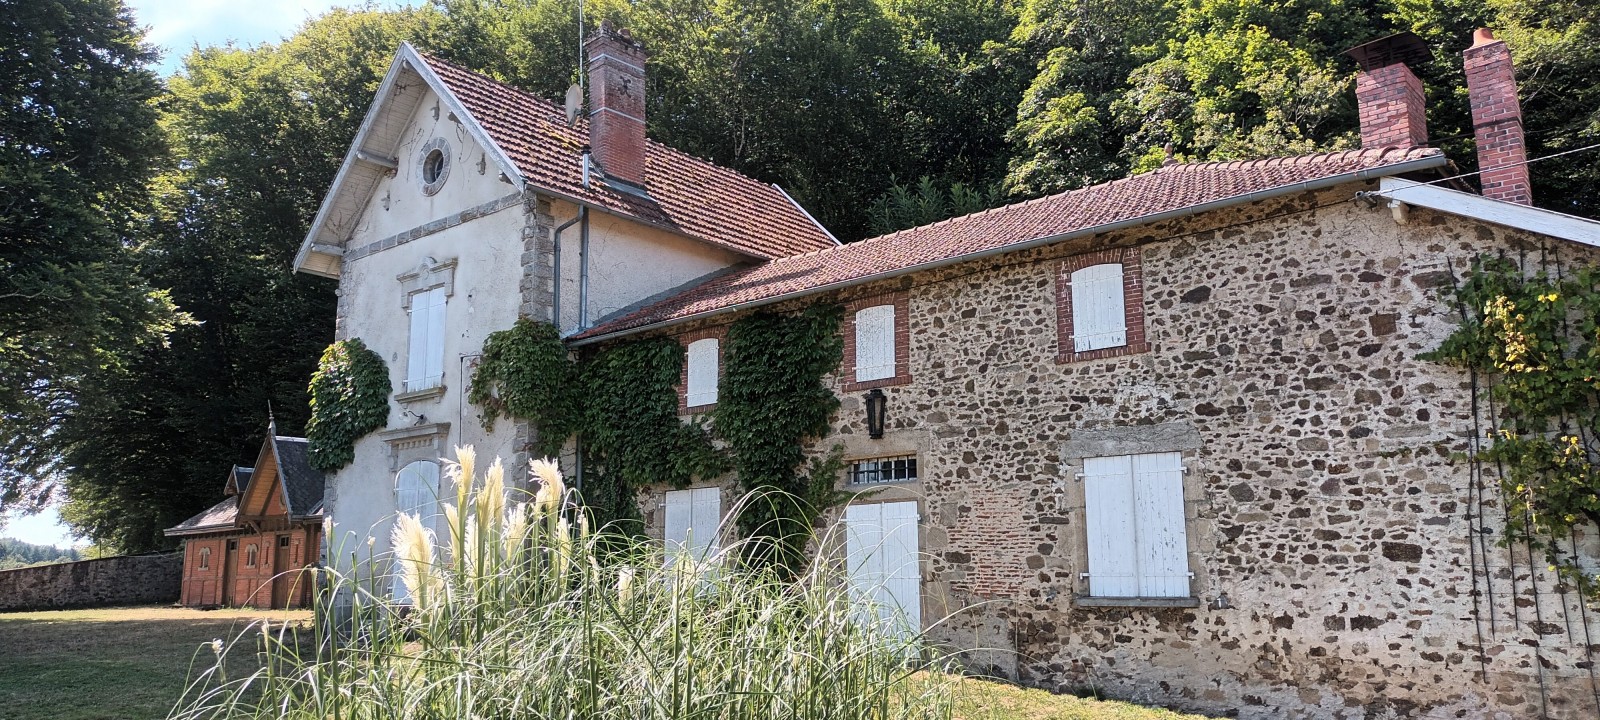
435, 165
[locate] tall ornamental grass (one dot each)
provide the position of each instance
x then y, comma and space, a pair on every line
517, 612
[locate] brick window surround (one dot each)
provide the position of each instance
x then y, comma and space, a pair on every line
1132, 303
902, 340
719, 332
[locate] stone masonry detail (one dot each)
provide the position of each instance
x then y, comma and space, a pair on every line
1326, 497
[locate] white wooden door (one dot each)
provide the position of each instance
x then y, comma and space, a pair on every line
881, 546
693, 518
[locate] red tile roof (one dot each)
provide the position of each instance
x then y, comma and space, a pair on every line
1174, 188
687, 194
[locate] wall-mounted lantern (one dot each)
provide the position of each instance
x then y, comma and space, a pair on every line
877, 410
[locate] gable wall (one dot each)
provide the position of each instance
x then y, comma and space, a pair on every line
1321, 495
475, 221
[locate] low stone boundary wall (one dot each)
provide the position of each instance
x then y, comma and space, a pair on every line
121, 580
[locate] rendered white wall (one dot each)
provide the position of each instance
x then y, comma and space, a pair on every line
628, 262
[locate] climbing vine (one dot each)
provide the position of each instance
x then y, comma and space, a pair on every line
349, 398
772, 402
1535, 340
525, 373
630, 429
622, 403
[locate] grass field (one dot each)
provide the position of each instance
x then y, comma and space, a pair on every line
114, 663
131, 664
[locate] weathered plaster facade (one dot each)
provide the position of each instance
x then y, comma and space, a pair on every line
1326, 500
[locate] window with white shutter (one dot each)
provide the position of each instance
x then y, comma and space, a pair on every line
1098, 317
703, 364
1134, 517
425, 360
693, 518
416, 492
875, 350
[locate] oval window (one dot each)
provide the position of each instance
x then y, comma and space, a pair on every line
433, 166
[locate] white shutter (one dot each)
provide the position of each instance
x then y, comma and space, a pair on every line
679, 511
902, 572
1109, 521
863, 525
435, 358
416, 492
702, 361
1098, 318
1163, 543
417, 353
875, 343
705, 517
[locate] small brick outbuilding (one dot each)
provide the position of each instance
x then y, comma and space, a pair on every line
249, 549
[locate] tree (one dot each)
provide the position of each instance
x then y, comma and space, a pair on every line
78, 142
258, 134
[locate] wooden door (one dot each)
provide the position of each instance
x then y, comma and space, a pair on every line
230, 565
282, 579
882, 554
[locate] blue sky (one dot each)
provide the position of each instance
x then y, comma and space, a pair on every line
177, 26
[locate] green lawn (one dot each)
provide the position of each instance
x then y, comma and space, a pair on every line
114, 663
131, 664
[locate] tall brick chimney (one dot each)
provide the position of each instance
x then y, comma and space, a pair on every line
1497, 120
616, 103
1393, 109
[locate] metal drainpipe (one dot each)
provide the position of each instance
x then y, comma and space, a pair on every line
555, 302
583, 268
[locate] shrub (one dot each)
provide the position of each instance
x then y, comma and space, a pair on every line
518, 614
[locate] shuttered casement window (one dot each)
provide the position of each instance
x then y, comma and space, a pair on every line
875, 350
416, 492
1098, 318
1138, 545
703, 370
693, 518
425, 360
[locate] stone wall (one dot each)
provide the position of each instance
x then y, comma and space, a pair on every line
124, 580
1337, 570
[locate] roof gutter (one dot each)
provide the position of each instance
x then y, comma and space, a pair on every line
1426, 163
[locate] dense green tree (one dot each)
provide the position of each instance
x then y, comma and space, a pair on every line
258, 134
907, 206
78, 142
17, 554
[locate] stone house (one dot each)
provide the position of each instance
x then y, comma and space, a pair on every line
248, 550
1166, 438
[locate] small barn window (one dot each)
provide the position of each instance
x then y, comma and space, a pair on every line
250, 555
875, 348
1098, 316
901, 468
703, 369
434, 165
205, 558
1134, 518
283, 541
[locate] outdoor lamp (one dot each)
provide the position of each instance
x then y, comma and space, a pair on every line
877, 409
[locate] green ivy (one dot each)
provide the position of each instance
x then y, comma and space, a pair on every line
772, 402
1536, 341
630, 429
525, 373
349, 398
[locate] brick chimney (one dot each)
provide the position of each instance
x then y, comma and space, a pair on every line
616, 103
1497, 120
1393, 109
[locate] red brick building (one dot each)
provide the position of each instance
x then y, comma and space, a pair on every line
249, 549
